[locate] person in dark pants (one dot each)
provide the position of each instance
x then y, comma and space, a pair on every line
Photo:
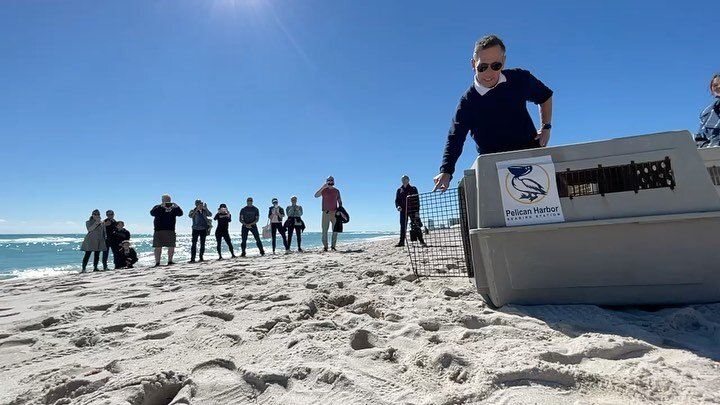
109, 233
294, 222
200, 227
249, 217
494, 110
276, 215
127, 256
94, 241
121, 235
223, 217
401, 205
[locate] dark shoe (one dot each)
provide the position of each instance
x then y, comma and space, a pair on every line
201, 260
191, 261
242, 254
423, 244
170, 263
95, 269
157, 264
333, 249
300, 250
233, 256
325, 249
400, 244
220, 258
262, 253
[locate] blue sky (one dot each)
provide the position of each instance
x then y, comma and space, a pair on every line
109, 104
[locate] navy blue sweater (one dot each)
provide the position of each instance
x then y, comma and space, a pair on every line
499, 120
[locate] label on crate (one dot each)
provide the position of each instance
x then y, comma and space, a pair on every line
529, 191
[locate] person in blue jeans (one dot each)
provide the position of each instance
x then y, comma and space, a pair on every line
200, 227
249, 217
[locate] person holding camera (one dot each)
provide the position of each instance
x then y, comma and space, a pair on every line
249, 217
165, 217
331, 200
709, 133
199, 216
276, 215
94, 240
294, 222
223, 218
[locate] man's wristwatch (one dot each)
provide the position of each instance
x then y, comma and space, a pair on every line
546, 126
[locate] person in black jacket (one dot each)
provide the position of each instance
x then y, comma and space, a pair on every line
249, 217
127, 256
121, 234
109, 231
401, 204
276, 214
165, 214
223, 217
494, 110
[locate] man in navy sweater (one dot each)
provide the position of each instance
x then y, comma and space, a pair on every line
494, 109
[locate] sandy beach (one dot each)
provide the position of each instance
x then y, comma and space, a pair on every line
352, 327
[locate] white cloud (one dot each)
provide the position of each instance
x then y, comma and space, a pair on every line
2, 220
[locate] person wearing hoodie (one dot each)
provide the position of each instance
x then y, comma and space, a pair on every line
127, 256
249, 217
200, 227
709, 133
276, 215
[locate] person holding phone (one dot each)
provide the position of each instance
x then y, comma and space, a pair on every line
199, 216
494, 109
165, 217
223, 218
94, 241
331, 200
276, 215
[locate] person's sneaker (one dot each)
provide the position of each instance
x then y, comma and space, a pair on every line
201, 260
333, 249
157, 264
300, 250
95, 269
262, 253
191, 261
170, 263
325, 249
220, 258
400, 245
242, 254
233, 256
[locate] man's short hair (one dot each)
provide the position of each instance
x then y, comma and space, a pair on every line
166, 198
488, 41
120, 222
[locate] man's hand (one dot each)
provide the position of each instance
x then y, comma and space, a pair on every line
442, 182
543, 136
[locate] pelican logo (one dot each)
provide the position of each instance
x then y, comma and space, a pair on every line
527, 184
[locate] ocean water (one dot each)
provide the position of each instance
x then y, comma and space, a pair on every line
29, 256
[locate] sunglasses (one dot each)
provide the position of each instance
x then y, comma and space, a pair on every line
494, 66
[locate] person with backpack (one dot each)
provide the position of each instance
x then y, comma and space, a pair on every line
200, 228
331, 200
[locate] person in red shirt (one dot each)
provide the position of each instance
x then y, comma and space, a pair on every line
331, 200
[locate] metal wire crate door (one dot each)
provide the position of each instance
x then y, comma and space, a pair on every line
437, 237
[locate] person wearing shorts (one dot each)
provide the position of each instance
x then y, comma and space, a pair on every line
165, 214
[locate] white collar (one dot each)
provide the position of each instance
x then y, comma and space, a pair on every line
482, 89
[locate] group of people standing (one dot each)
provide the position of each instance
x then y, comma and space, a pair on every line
286, 222
103, 236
